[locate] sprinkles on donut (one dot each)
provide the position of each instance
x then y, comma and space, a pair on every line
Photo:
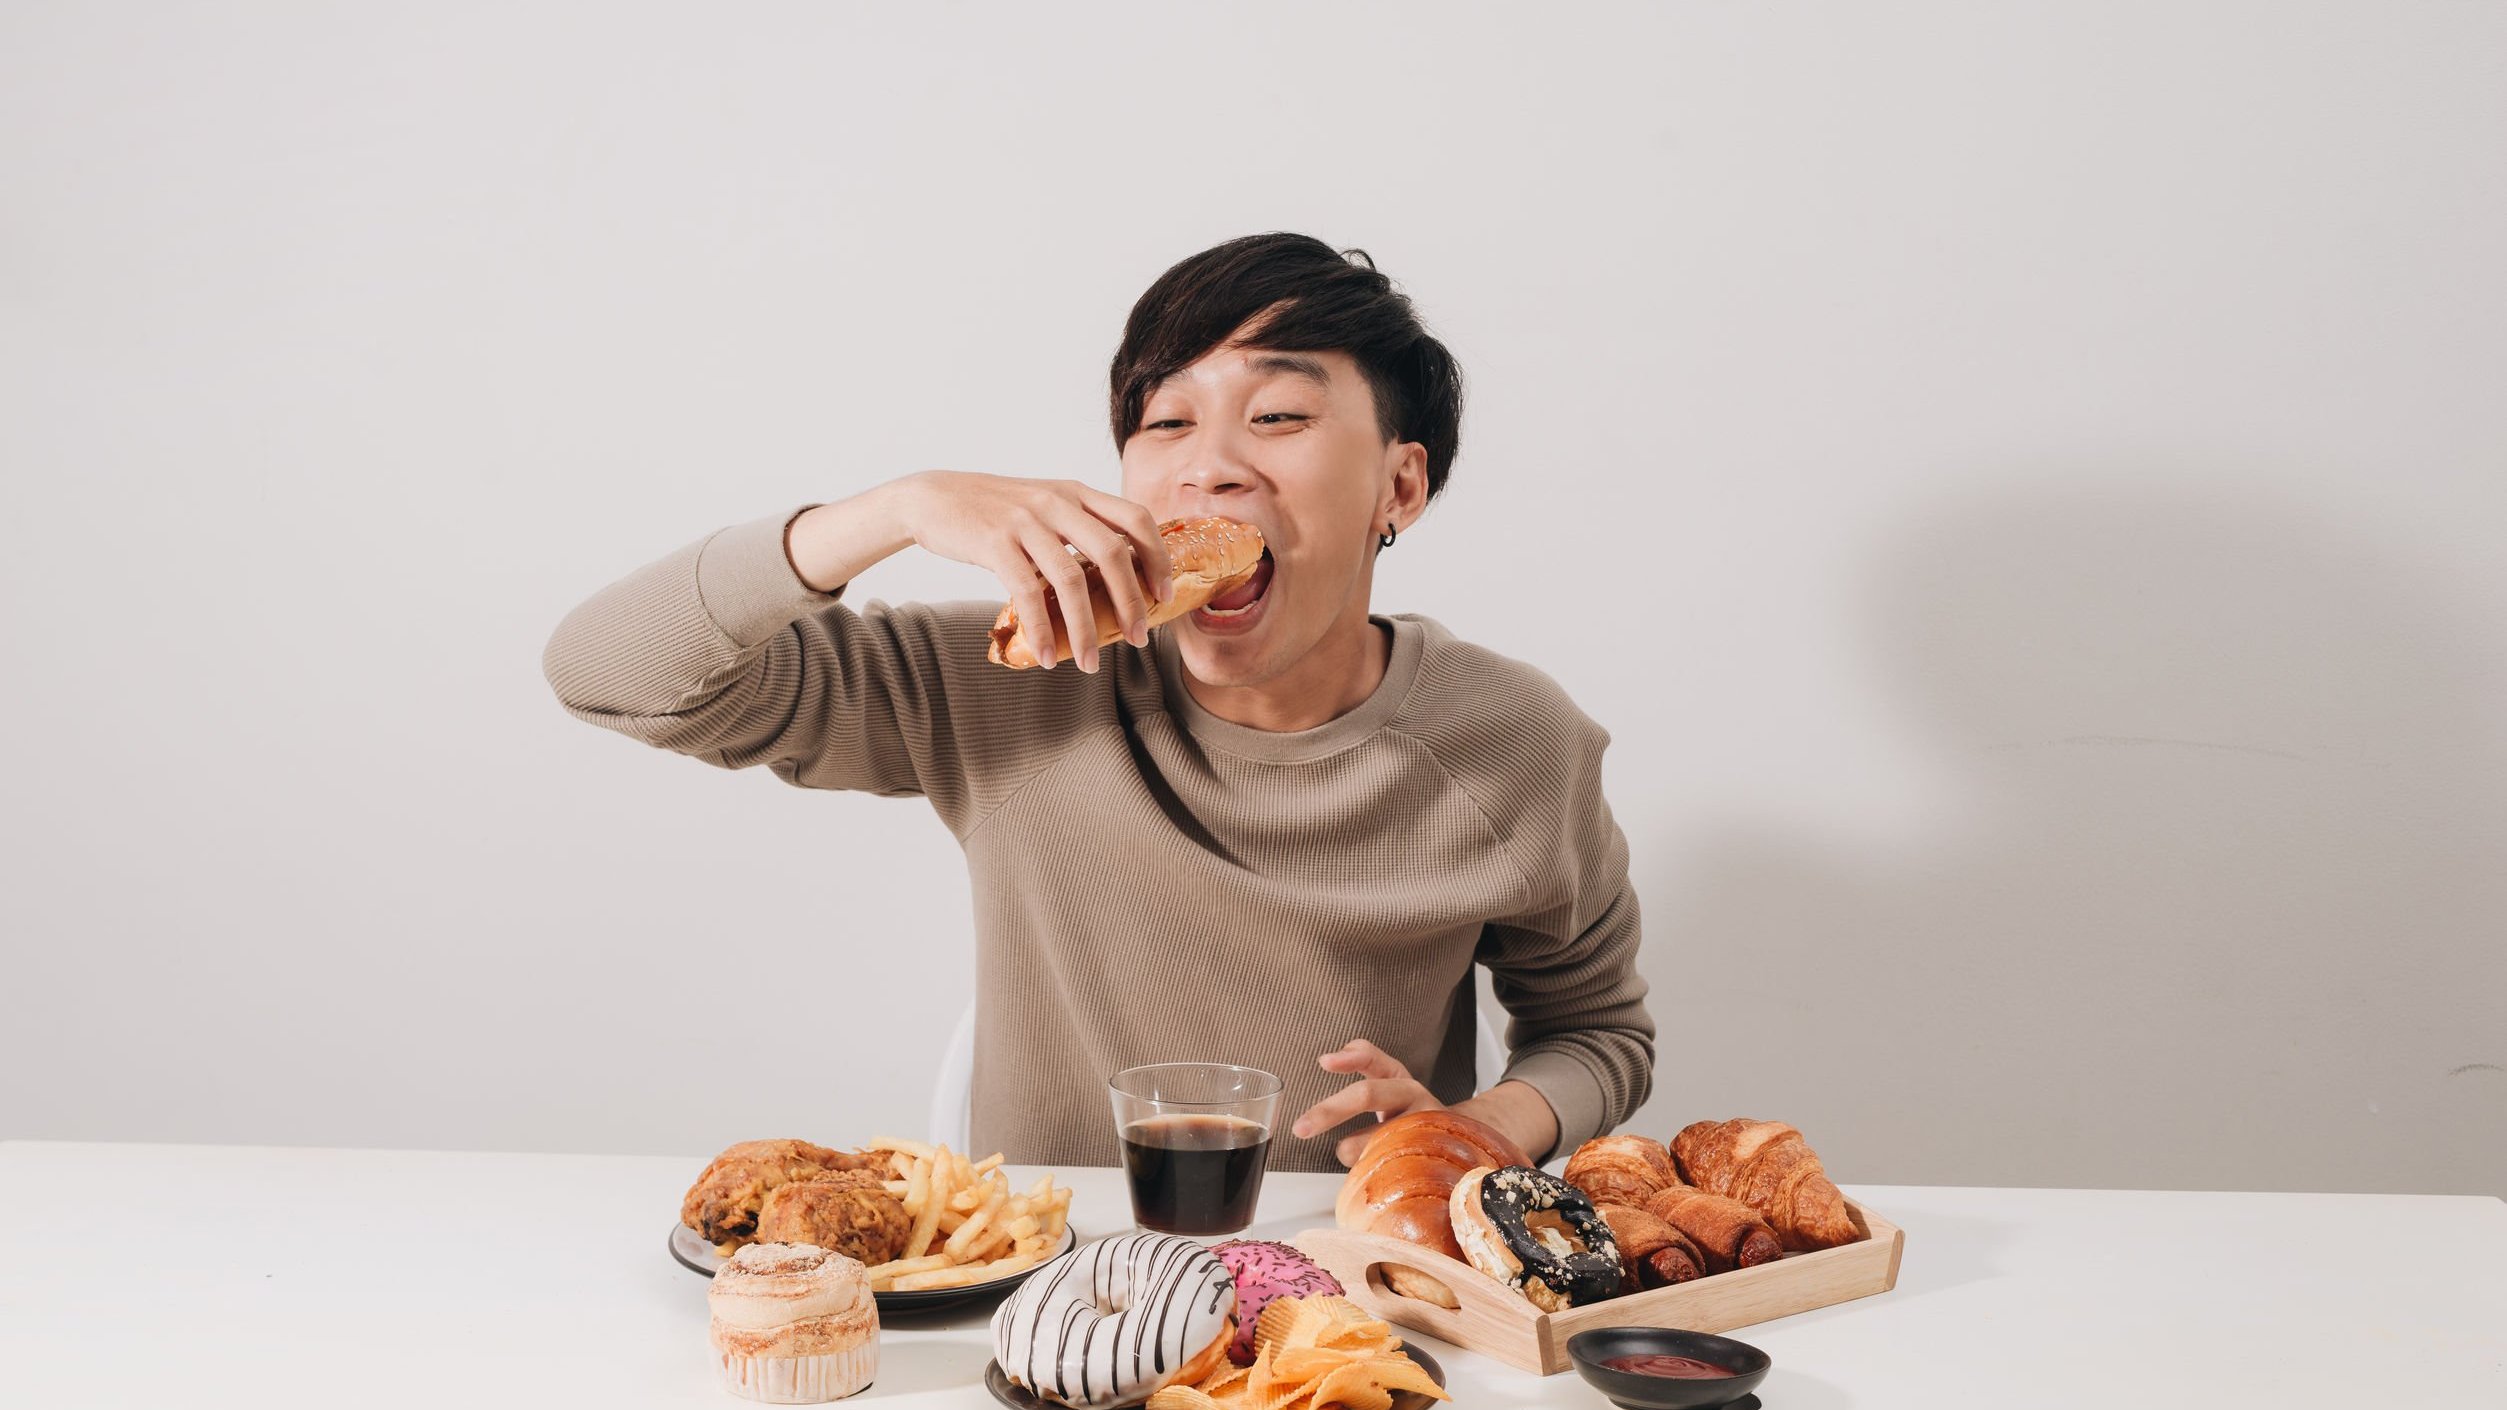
1265, 1270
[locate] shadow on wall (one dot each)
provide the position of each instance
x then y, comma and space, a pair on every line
2217, 899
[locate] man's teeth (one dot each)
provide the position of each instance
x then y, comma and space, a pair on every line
1232, 611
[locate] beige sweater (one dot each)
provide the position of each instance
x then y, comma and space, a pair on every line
1153, 883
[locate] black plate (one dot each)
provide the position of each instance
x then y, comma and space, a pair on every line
1008, 1394
689, 1248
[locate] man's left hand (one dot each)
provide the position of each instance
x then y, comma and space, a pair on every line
1384, 1087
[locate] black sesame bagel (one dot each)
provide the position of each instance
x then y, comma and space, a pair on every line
1536, 1234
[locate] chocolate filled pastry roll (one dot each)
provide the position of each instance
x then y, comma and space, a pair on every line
1728, 1232
1654, 1253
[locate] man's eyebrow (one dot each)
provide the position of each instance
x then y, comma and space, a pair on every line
1295, 366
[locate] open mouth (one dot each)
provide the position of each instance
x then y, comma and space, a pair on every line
1240, 600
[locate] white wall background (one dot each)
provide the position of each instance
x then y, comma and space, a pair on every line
2021, 483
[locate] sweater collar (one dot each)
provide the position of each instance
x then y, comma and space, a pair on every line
1295, 746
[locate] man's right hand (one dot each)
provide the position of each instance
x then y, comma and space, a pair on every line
1016, 529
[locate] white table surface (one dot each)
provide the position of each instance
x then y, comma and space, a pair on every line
214, 1275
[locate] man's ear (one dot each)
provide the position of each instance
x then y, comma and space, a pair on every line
1406, 498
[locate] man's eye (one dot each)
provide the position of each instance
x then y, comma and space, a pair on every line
1281, 416
1162, 425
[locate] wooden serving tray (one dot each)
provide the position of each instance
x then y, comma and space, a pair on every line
1496, 1321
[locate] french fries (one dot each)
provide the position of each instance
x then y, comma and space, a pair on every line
969, 1226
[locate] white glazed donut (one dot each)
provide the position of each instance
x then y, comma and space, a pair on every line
1110, 1323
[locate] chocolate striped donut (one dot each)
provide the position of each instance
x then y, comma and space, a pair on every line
1110, 1322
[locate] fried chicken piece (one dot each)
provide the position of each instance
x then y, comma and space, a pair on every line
723, 1203
848, 1212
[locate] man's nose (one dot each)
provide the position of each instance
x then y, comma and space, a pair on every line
1220, 465
1215, 479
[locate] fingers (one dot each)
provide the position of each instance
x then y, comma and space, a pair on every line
1112, 553
1352, 1147
1027, 599
1029, 548
1137, 524
1362, 1058
1385, 1096
1069, 581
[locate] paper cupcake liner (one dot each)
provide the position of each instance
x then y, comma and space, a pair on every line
801, 1380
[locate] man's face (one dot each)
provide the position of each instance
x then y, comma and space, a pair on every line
1287, 442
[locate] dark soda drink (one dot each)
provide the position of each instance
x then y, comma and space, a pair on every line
1194, 1174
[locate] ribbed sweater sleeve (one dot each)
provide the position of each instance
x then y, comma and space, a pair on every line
719, 651
1563, 962
1579, 1032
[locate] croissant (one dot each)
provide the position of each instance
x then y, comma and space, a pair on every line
1728, 1232
1652, 1252
1209, 555
1621, 1169
1769, 1167
1403, 1183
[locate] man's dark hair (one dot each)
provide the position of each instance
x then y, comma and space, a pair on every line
1333, 301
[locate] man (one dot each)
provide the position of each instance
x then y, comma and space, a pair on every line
1279, 827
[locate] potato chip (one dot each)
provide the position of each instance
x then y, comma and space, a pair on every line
1305, 1363
1312, 1353
1266, 1388
1288, 1321
1366, 1336
1182, 1398
1398, 1372
1360, 1342
1355, 1386
1261, 1394
1344, 1312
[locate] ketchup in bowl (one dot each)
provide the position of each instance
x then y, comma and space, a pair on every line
1664, 1368
1678, 1368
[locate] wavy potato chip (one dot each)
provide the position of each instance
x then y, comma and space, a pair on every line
1305, 1363
1353, 1385
1263, 1392
1310, 1353
1399, 1372
1369, 1338
1288, 1321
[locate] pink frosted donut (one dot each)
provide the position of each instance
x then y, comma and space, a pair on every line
1264, 1270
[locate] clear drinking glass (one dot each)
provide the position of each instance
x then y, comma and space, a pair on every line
1195, 1137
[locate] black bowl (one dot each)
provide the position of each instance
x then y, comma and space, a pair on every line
1640, 1392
